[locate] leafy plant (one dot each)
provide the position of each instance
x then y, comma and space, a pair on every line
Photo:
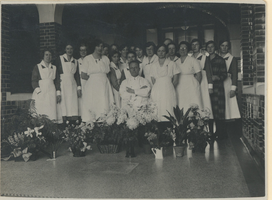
179, 123
75, 135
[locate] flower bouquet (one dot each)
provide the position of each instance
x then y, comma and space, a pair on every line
198, 129
25, 145
180, 125
75, 135
107, 133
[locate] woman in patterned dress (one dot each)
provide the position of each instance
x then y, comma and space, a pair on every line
115, 76
219, 74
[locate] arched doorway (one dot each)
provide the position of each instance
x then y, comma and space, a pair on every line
24, 46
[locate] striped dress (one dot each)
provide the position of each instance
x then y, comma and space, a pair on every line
218, 67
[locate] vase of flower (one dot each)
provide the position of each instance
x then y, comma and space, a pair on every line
179, 150
147, 148
130, 149
158, 152
200, 147
78, 152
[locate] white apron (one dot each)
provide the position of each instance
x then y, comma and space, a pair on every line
45, 101
204, 86
69, 102
232, 110
82, 81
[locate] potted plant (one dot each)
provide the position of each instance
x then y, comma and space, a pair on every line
28, 131
198, 130
107, 133
179, 133
25, 145
77, 139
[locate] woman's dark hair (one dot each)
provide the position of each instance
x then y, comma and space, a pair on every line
135, 61
167, 39
222, 41
196, 40
95, 43
112, 53
44, 50
187, 45
162, 45
106, 45
122, 47
131, 52
210, 42
139, 46
114, 45
148, 44
172, 43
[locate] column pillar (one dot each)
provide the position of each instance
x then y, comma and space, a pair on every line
50, 18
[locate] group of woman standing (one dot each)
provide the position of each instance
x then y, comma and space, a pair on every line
87, 87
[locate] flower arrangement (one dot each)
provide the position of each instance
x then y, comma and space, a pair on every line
76, 136
180, 122
193, 125
25, 144
36, 132
198, 129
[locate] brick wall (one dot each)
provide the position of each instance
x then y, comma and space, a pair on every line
50, 36
253, 43
253, 119
252, 46
259, 43
7, 107
247, 42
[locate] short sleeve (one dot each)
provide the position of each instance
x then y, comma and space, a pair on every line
174, 69
196, 65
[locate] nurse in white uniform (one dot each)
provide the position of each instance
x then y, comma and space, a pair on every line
70, 84
206, 85
98, 95
83, 53
151, 57
230, 84
188, 88
46, 85
115, 76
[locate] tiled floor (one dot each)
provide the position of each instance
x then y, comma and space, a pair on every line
215, 174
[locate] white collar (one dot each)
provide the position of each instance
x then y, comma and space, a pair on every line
65, 56
43, 64
114, 66
134, 78
227, 55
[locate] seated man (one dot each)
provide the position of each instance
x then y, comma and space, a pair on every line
134, 90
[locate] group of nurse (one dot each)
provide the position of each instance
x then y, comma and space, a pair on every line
176, 75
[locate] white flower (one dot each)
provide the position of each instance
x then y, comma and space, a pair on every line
110, 120
29, 132
194, 106
132, 123
36, 129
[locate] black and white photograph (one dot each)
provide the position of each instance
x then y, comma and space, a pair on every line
134, 100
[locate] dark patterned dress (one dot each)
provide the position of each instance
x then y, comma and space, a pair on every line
218, 67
